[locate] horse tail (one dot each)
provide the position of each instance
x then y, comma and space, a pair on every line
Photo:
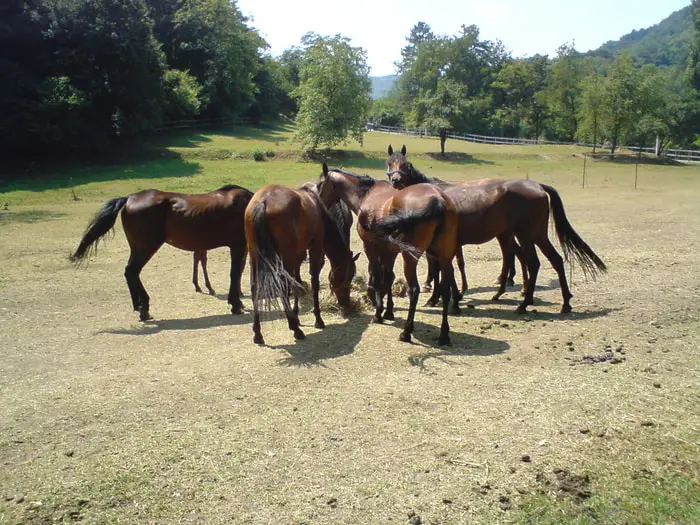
101, 224
403, 221
272, 282
572, 244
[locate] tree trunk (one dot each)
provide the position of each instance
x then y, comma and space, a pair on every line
443, 139
613, 145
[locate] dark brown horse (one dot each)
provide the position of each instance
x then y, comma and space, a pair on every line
397, 164
200, 256
412, 221
280, 225
520, 208
190, 222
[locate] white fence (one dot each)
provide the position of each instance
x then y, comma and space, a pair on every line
678, 154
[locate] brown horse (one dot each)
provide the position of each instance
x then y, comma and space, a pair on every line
519, 207
190, 222
469, 218
412, 221
280, 225
200, 256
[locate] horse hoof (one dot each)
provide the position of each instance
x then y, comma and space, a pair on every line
145, 317
456, 310
496, 297
389, 316
510, 282
198, 289
299, 335
320, 324
258, 340
521, 310
237, 310
404, 337
444, 340
566, 309
212, 292
377, 319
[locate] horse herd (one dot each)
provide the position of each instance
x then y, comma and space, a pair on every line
408, 214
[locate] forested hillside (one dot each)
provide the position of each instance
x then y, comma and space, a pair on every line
664, 44
382, 85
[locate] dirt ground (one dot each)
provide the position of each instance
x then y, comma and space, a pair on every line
183, 419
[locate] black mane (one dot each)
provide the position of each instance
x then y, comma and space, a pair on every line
364, 180
230, 187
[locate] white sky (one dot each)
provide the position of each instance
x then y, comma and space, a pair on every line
526, 27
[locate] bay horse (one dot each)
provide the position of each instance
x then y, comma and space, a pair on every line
281, 224
200, 256
411, 221
469, 219
520, 208
196, 222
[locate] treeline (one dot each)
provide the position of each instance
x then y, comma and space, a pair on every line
85, 73
466, 84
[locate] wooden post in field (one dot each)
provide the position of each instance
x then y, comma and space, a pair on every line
636, 167
583, 180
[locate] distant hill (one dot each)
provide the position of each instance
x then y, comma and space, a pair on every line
664, 44
382, 85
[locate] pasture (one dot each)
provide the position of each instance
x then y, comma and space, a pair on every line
592, 417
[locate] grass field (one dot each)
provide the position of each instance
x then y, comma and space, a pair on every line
592, 417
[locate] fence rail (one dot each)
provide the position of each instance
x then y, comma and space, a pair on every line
678, 154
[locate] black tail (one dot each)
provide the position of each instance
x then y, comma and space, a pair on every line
571, 242
98, 227
272, 282
404, 221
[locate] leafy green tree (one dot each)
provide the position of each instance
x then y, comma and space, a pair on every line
181, 94
694, 58
441, 111
621, 99
387, 110
334, 91
590, 110
564, 91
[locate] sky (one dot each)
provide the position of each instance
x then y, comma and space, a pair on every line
526, 27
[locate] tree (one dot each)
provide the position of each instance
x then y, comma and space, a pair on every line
564, 91
694, 58
590, 111
334, 91
441, 111
620, 99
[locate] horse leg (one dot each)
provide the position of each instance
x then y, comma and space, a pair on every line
410, 265
376, 272
388, 283
533, 266
315, 266
504, 242
206, 274
462, 272
257, 332
428, 285
557, 263
518, 252
234, 290
132, 272
196, 256
434, 266
292, 316
447, 279
370, 286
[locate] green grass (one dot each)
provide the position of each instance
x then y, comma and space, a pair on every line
202, 161
640, 499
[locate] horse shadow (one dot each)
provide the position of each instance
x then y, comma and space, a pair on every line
335, 340
155, 326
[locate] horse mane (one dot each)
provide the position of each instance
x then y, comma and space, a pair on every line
365, 180
333, 221
418, 175
230, 187
342, 216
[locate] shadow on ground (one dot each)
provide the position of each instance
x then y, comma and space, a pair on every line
457, 157
29, 217
195, 323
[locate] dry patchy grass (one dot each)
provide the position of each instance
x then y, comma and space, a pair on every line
184, 419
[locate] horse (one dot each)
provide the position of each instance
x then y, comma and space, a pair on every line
469, 221
151, 218
412, 221
281, 224
520, 208
200, 256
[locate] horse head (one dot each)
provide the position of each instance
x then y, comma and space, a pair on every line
340, 280
398, 169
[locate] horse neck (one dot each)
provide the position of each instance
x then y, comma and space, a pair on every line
335, 246
352, 194
417, 176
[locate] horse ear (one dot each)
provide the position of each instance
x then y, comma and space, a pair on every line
403, 150
325, 170
357, 256
390, 150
